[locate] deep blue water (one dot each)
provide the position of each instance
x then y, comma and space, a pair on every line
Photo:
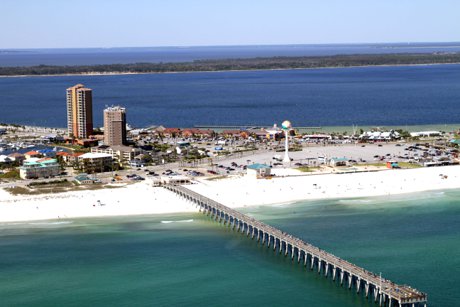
140, 261
89, 56
405, 95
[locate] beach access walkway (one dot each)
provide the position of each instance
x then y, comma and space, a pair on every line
382, 291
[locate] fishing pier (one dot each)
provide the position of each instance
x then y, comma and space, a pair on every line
374, 287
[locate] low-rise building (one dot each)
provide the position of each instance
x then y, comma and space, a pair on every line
47, 152
136, 163
232, 133
32, 154
5, 159
379, 136
258, 170
426, 134
341, 161
17, 157
39, 168
95, 162
316, 138
260, 133
83, 178
173, 180
274, 133
172, 132
195, 132
122, 154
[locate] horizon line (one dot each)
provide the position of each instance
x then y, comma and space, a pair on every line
243, 45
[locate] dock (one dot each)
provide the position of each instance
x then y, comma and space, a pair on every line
346, 274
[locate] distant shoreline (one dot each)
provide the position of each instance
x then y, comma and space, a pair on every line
115, 73
233, 65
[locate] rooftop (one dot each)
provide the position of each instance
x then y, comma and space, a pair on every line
92, 155
258, 166
39, 162
341, 159
114, 109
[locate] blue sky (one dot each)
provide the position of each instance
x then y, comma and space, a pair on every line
125, 23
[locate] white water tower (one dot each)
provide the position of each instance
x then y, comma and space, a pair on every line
286, 125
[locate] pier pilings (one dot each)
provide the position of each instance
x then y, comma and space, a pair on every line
382, 291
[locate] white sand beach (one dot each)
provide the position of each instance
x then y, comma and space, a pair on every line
244, 191
134, 199
141, 198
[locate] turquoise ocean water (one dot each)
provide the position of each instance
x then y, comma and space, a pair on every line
188, 260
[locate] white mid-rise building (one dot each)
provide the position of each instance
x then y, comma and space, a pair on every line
39, 168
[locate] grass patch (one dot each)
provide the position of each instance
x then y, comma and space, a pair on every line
401, 165
378, 164
63, 182
56, 188
409, 165
18, 191
14, 174
306, 169
217, 177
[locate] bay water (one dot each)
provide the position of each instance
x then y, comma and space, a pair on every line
189, 260
364, 96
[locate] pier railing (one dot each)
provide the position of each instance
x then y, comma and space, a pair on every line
383, 291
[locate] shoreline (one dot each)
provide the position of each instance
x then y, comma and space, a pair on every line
323, 128
251, 193
115, 73
330, 186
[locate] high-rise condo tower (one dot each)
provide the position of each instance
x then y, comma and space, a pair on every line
79, 111
114, 126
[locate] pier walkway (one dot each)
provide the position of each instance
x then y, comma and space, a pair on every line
382, 291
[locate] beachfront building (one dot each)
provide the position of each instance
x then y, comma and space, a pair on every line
341, 161
39, 168
83, 178
169, 180
258, 170
122, 154
70, 159
115, 126
79, 111
95, 162
174, 180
